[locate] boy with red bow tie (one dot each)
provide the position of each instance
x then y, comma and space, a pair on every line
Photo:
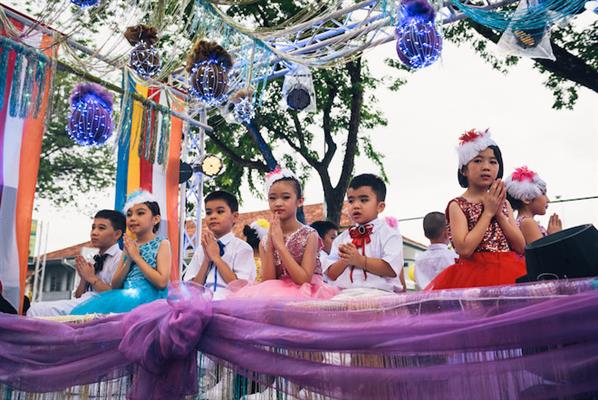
366, 259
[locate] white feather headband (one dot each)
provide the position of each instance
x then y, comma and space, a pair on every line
137, 197
524, 184
275, 175
260, 226
472, 143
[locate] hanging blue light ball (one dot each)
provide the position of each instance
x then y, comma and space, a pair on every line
209, 81
90, 121
418, 43
85, 3
145, 60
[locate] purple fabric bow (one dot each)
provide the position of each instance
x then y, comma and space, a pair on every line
162, 340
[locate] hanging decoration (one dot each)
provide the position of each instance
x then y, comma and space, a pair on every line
546, 12
85, 3
527, 42
208, 66
90, 122
592, 6
211, 165
26, 88
298, 89
243, 109
418, 42
144, 58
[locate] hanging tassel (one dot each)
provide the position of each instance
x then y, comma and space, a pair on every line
28, 86
40, 79
148, 132
141, 145
155, 130
3, 69
15, 87
164, 138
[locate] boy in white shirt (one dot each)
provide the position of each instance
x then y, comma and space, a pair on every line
107, 228
222, 257
438, 256
367, 259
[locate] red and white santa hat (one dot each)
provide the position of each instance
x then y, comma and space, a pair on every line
472, 143
524, 184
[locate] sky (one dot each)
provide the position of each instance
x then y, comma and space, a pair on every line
425, 119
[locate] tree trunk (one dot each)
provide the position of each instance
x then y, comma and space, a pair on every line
335, 197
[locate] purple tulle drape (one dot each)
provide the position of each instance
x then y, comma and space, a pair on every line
534, 341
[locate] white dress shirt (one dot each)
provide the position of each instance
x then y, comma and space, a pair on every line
238, 255
431, 262
64, 307
386, 243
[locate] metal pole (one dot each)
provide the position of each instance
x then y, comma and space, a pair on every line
41, 292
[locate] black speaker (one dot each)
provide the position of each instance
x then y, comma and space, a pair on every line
570, 253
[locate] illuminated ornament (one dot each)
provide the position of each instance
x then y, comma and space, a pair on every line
90, 121
242, 102
208, 67
298, 89
144, 58
418, 42
211, 165
85, 3
529, 38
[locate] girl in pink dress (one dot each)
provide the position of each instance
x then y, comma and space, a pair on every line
289, 253
526, 192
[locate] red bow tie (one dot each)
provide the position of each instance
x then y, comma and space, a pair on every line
360, 236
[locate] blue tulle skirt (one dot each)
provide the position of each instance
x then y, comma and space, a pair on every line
123, 300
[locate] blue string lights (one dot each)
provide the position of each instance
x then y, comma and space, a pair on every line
208, 66
90, 121
418, 42
209, 81
144, 58
244, 110
85, 3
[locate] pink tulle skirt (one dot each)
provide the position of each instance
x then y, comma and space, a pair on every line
283, 288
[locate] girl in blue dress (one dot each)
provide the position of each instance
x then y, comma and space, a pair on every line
144, 269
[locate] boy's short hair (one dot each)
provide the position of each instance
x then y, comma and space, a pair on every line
322, 227
229, 198
434, 225
116, 218
373, 181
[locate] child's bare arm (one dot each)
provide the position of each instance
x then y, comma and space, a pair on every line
464, 240
511, 230
301, 273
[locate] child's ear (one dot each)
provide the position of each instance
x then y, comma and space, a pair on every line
235, 217
156, 219
300, 201
381, 206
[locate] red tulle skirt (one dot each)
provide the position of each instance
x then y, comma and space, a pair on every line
481, 269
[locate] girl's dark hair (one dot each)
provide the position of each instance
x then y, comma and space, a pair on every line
295, 183
496, 150
516, 204
155, 209
252, 238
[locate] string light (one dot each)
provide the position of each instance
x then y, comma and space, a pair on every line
85, 3
418, 42
90, 121
145, 60
209, 81
244, 110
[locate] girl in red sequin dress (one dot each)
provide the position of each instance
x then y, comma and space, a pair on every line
481, 224
290, 252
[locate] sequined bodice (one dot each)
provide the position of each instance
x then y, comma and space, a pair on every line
296, 243
149, 252
494, 239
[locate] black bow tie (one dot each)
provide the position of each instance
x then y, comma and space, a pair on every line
99, 259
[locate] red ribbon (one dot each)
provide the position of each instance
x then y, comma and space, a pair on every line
360, 236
